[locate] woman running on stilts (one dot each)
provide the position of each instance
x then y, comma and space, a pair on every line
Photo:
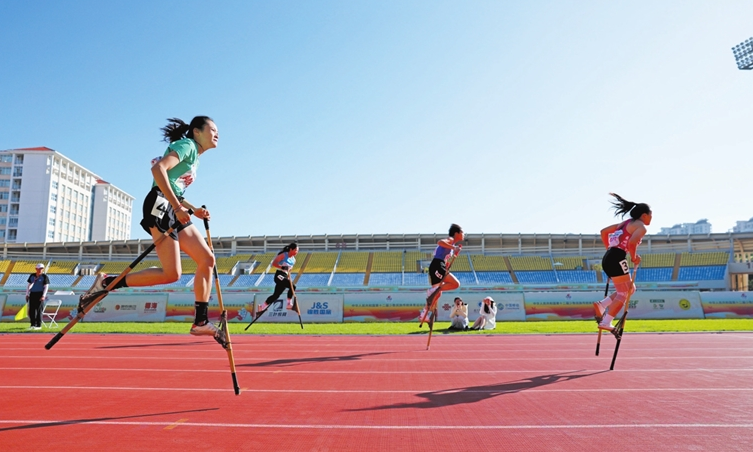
441, 279
283, 262
621, 239
173, 173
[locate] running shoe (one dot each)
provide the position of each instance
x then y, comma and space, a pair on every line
208, 329
598, 312
261, 308
97, 289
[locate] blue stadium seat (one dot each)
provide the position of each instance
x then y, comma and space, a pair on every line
386, 279
493, 278
536, 277
702, 273
347, 279
248, 280
17, 280
313, 280
654, 274
62, 280
225, 280
576, 276
416, 279
465, 278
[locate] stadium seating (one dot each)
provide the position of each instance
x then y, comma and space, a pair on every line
323, 262
530, 263
493, 278
482, 263
576, 276
387, 279
4, 266
352, 262
465, 278
416, 279
702, 273
313, 280
246, 281
388, 262
61, 267
570, 263
703, 259
27, 267
347, 279
536, 276
657, 260
62, 280
17, 280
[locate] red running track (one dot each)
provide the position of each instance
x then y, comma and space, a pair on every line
388, 393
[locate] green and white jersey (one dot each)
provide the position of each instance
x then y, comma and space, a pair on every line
184, 173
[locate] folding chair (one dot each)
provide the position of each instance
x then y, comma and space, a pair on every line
52, 304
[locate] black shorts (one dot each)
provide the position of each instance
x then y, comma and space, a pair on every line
160, 214
614, 263
437, 271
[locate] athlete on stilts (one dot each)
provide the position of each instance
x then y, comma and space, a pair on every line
621, 239
441, 279
163, 207
283, 263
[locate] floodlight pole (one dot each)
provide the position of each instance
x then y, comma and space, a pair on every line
744, 55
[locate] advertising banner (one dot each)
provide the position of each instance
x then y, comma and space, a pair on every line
14, 302
665, 305
129, 307
386, 306
180, 307
315, 308
561, 305
727, 305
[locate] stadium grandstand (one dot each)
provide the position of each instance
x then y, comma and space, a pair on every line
547, 261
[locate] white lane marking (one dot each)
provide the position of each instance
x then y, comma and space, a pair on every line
372, 391
378, 427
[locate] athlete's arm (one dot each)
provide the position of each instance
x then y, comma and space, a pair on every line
159, 171
276, 261
635, 240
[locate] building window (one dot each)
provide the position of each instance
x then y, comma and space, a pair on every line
52, 222
19, 159
15, 197
54, 196
16, 184
53, 209
51, 235
13, 222
14, 209
12, 234
5, 171
18, 171
54, 184
4, 195
6, 158
4, 182
3, 221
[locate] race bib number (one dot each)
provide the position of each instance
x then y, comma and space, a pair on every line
160, 207
624, 265
614, 238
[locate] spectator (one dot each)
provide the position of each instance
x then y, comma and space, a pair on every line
487, 319
459, 315
36, 293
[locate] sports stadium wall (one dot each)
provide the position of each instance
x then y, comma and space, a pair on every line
393, 305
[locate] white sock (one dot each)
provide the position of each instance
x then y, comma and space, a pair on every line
606, 302
607, 319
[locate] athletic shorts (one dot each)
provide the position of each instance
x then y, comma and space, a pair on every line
437, 271
160, 214
615, 263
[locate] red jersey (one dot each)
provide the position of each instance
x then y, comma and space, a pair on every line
621, 237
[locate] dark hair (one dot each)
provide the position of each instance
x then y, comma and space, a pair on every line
622, 206
454, 229
289, 247
176, 129
487, 309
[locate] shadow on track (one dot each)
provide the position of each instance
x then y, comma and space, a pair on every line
473, 394
99, 419
323, 359
170, 344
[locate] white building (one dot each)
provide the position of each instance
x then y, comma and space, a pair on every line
47, 197
699, 227
743, 226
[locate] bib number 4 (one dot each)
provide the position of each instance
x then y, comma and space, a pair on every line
160, 207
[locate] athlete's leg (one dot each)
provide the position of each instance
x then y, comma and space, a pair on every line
623, 288
193, 244
168, 253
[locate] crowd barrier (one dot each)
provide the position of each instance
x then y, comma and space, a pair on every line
386, 306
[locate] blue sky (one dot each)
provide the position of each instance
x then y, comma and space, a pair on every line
397, 117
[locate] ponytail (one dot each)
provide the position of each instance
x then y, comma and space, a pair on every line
289, 247
622, 206
176, 129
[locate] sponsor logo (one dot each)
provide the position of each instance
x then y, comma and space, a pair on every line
150, 307
684, 304
99, 309
319, 308
125, 307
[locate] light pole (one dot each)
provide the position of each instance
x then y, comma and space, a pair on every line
744, 54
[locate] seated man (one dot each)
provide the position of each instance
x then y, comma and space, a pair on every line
459, 315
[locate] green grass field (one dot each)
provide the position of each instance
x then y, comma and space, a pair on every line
388, 328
